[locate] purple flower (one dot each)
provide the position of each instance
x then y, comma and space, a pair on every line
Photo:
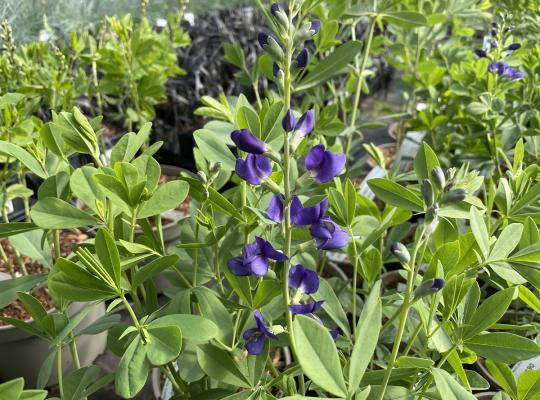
254, 169
306, 123
289, 121
502, 68
246, 141
315, 26
275, 208
323, 164
275, 70
303, 279
302, 216
480, 53
256, 258
274, 8
256, 337
302, 59
328, 235
263, 39
514, 46
308, 308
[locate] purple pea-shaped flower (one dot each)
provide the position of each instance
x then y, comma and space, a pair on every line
256, 258
328, 235
256, 337
303, 279
303, 216
308, 308
323, 164
254, 169
246, 141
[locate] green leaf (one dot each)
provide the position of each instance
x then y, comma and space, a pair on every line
528, 387
330, 66
367, 337
220, 365
166, 197
31, 245
448, 388
506, 242
11, 390
393, 193
24, 157
405, 19
267, 290
214, 149
53, 213
489, 312
153, 268
33, 306
10, 287
247, 118
193, 327
477, 108
15, 228
529, 298
85, 188
132, 370
332, 306
318, 356
503, 347
424, 162
503, 376
213, 309
108, 255
164, 345
479, 229
414, 362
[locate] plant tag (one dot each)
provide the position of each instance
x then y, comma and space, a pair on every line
10, 207
376, 172
532, 364
337, 257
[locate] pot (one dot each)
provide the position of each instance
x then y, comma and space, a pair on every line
485, 395
23, 354
393, 280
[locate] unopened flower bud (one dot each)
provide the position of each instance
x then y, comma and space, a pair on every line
279, 15
401, 252
215, 167
269, 44
431, 219
480, 53
146, 194
514, 46
307, 31
427, 192
437, 176
302, 59
202, 176
289, 121
454, 196
429, 287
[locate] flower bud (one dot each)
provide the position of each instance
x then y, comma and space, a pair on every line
279, 15
307, 31
454, 196
429, 287
514, 46
269, 44
146, 195
431, 219
215, 167
401, 252
437, 176
302, 59
202, 176
480, 53
289, 121
427, 192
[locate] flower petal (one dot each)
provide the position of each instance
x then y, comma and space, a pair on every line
245, 169
306, 123
296, 276
310, 282
238, 268
308, 308
268, 250
259, 266
255, 345
275, 209
261, 325
289, 121
315, 158
331, 167
246, 141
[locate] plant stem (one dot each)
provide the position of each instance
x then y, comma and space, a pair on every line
403, 317
178, 379
56, 238
354, 282
74, 352
360, 71
59, 370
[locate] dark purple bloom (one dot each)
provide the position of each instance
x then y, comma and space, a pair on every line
303, 279
256, 337
323, 164
308, 308
514, 46
289, 121
274, 8
302, 216
502, 68
302, 59
256, 258
254, 169
480, 53
263, 39
246, 141
328, 235
315, 26
306, 123
275, 70
334, 333
275, 208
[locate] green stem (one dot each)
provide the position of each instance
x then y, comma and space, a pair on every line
73, 350
178, 379
168, 375
59, 370
56, 238
354, 282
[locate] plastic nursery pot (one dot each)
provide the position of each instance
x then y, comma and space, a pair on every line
22, 354
389, 151
393, 280
162, 388
394, 129
333, 270
485, 395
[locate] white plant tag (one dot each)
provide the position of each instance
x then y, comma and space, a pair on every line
376, 172
527, 365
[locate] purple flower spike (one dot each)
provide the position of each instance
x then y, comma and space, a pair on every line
245, 141
256, 259
306, 123
303, 59
275, 209
289, 121
328, 235
254, 169
256, 337
302, 216
323, 164
308, 308
303, 279
315, 26
263, 39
